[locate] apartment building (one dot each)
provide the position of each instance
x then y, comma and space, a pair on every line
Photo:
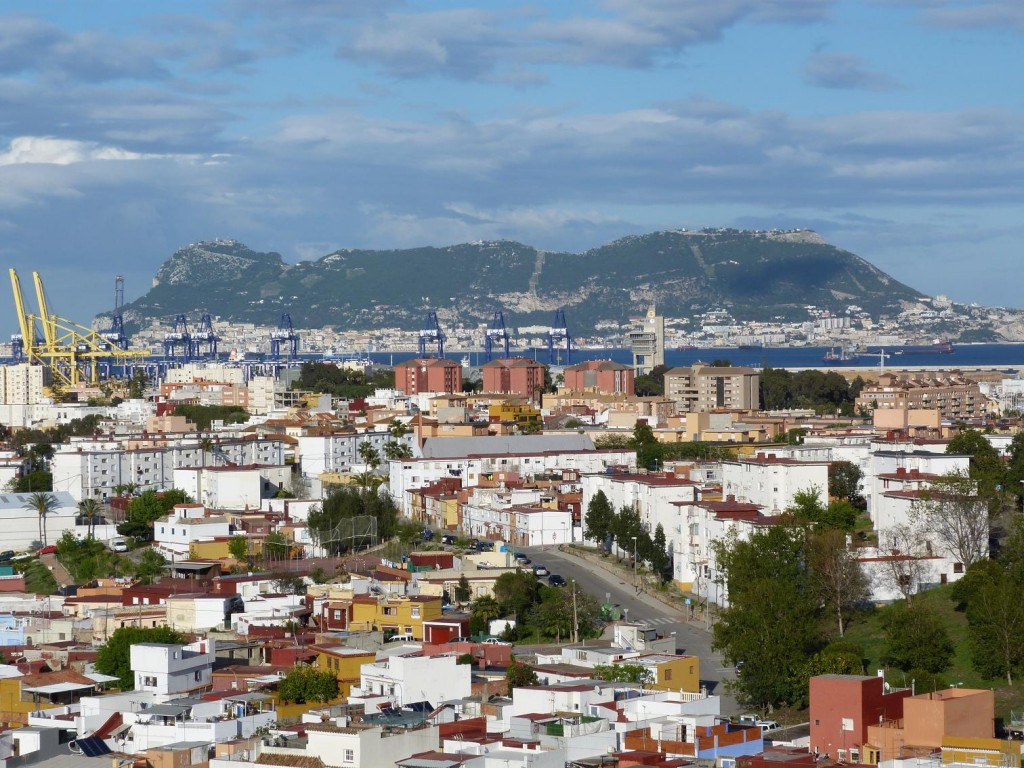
513, 376
338, 452
772, 481
952, 394
90, 468
602, 376
701, 388
428, 374
21, 384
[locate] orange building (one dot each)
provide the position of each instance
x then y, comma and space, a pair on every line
428, 374
604, 376
514, 376
843, 707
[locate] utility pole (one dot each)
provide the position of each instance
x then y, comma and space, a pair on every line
575, 617
636, 588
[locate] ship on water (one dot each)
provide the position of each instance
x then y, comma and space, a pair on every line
840, 355
936, 348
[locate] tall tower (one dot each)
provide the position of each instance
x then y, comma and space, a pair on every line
647, 340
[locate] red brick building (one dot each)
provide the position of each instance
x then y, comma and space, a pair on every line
603, 376
514, 376
428, 374
842, 708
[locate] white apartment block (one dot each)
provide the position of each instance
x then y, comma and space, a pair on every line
340, 452
231, 487
192, 372
772, 482
897, 471
188, 523
21, 384
410, 474
89, 469
654, 496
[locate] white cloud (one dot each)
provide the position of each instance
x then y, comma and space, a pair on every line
51, 151
845, 71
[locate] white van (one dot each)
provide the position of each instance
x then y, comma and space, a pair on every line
405, 637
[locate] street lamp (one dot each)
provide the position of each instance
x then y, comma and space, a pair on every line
634, 566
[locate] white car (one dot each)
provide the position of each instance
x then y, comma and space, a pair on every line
118, 545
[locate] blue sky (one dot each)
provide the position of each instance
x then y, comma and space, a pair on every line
893, 127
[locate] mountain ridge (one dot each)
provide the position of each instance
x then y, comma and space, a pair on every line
754, 274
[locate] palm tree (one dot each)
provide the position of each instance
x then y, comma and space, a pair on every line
43, 503
89, 508
206, 445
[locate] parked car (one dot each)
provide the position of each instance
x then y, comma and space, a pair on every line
484, 546
540, 570
7, 555
555, 580
50, 550
522, 560
118, 545
448, 539
494, 641
462, 639
405, 637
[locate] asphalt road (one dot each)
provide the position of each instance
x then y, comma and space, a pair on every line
691, 637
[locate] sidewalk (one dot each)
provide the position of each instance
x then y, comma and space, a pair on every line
60, 573
650, 595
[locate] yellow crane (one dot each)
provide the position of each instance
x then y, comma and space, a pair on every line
71, 352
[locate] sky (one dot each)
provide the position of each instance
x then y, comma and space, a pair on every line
895, 128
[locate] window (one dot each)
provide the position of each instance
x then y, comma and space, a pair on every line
415, 611
350, 756
668, 675
199, 675
337, 614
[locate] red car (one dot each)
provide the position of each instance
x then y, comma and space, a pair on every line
50, 550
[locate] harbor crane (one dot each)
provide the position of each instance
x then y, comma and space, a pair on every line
495, 333
115, 335
558, 336
431, 334
204, 335
71, 353
179, 337
284, 336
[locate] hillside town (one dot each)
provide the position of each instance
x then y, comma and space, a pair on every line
340, 565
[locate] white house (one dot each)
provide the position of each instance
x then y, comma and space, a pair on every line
771, 481
228, 487
20, 523
174, 534
166, 669
406, 680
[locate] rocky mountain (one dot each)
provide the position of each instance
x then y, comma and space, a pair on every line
754, 275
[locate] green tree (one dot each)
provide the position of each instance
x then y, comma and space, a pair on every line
345, 504
276, 546
515, 591
773, 622
33, 480
844, 479
625, 527
952, 511
43, 504
1015, 468
648, 449
39, 580
916, 638
114, 656
485, 610
623, 673
518, 675
836, 575
598, 519
462, 590
305, 684
996, 616
986, 467
151, 564
238, 548
660, 557
393, 449
148, 507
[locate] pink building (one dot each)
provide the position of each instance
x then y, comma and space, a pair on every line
428, 374
603, 376
513, 376
842, 709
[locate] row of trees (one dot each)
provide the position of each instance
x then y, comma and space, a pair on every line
825, 392
350, 518
342, 382
603, 524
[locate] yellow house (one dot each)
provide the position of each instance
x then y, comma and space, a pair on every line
670, 672
401, 615
343, 662
20, 696
520, 413
996, 753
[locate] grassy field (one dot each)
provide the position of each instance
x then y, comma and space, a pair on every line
867, 632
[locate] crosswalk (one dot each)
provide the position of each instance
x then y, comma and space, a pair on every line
658, 620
